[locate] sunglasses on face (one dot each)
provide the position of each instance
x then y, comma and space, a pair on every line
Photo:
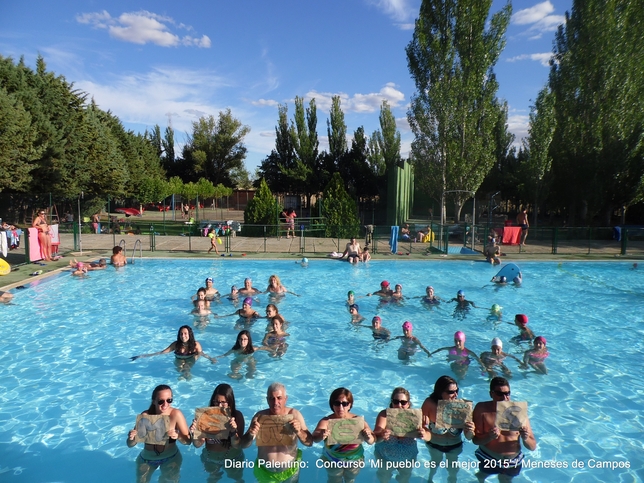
455, 391
400, 402
344, 404
502, 393
161, 402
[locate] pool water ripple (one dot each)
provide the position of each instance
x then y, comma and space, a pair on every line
69, 388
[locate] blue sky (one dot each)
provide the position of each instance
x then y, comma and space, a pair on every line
158, 62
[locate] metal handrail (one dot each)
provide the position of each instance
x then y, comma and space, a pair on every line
137, 243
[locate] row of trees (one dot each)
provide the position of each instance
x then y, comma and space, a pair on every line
56, 144
584, 156
296, 165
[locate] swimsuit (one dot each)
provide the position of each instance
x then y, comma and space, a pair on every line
397, 449
263, 475
459, 357
493, 466
152, 459
343, 452
441, 431
537, 357
445, 448
408, 346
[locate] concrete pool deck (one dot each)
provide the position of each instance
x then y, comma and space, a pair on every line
97, 246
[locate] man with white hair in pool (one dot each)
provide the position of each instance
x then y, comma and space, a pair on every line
248, 288
278, 462
499, 452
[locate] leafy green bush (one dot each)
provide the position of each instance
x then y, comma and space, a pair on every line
340, 211
263, 209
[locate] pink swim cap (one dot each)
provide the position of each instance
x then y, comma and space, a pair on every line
459, 335
376, 318
384, 283
540, 338
407, 326
521, 318
80, 265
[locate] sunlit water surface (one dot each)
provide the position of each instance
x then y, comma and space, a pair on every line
69, 392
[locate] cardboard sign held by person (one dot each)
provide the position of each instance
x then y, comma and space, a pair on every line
275, 431
453, 414
404, 422
511, 415
212, 422
345, 431
152, 428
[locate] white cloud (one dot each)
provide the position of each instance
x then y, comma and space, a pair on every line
402, 123
543, 58
533, 14
540, 19
149, 98
141, 28
399, 10
518, 125
265, 102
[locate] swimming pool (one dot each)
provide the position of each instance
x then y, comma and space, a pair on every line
70, 393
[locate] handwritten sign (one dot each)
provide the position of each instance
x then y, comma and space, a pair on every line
404, 422
212, 423
511, 415
275, 431
152, 428
345, 431
453, 414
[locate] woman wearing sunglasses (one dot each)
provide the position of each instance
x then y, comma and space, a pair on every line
394, 451
444, 441
219, 452
165, 456
343, 462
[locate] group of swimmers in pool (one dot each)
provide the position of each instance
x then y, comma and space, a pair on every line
342, 455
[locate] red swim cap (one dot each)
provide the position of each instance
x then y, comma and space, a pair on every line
521, 318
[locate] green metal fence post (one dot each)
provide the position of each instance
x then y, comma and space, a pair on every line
152, 239
624, 240
75, 231
555, 239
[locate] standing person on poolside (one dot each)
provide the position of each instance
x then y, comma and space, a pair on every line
410, 343
167, 456
248, 288
289, 215
444, 442
396, 449
217, 451
499, 451
344, 459
213, 240
284, 460
522, 221
44, 238
352, 251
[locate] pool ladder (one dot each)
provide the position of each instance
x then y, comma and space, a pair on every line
137, 243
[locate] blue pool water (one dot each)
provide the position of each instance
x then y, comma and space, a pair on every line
69, 392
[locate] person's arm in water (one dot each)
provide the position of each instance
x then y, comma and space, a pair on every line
417, 340
168, 349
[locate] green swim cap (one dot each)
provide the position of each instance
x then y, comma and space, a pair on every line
496, 308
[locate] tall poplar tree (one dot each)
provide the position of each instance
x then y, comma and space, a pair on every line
597, 79
304, 137
453, 112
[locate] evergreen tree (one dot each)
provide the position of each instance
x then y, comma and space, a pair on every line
261, 210
339, 210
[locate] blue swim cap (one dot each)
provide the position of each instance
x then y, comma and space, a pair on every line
354, 306
460, 292
305, 260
